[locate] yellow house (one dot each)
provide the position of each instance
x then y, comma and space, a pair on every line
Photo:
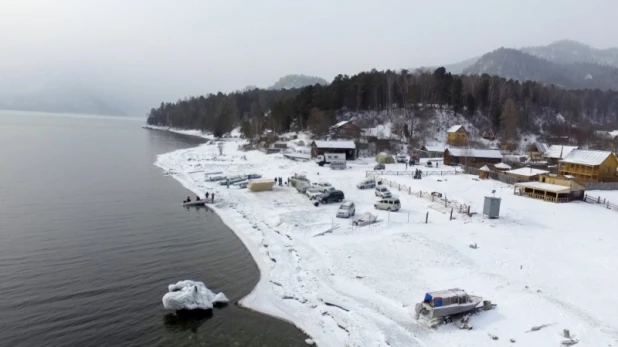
457, 136
590, 166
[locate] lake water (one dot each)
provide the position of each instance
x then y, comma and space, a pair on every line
91, 234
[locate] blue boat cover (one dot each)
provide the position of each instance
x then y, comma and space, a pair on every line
437, 302
427, 297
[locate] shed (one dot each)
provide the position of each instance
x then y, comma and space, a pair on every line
484, 172
322, 147
471, 157
502, 167
526, 173
436, 151
260, 185
384, 158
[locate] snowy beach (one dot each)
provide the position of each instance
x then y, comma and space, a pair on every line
540, 262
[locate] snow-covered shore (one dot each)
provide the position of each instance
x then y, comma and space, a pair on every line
542, 263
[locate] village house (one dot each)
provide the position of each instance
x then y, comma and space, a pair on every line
321, 147
526, 174
536, 150
457, 136
590, 166
432, 151
551, 188
345, 130
555, 153
489, 135
471, 157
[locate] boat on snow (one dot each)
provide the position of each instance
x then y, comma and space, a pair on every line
446, 303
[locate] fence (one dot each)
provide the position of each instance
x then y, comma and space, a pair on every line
408, 173
601, 185
441, 201
493, 175
601, 202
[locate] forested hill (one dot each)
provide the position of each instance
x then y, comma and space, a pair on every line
316, 107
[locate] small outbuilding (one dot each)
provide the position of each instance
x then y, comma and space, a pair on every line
432, 151
484, 172
526, 173
551, 188
501, 167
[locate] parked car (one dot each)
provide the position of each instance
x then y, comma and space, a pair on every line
383, 192
346, 210
402, 158
389, 204
322, 185
313, 192
366, 184
379, 167
302, 186
253, 176
332, 196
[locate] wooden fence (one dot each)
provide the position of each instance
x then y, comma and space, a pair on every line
601, 202
441, 199
408, 173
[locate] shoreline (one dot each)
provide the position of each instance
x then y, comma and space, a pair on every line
227, 220
358, 286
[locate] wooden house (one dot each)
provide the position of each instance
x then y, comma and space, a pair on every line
432, 151
590, 166
471, 157
551, 188
321, 147
555, 153
508, 146
536, 150
345, 130
526, 174
457, 136
489, 135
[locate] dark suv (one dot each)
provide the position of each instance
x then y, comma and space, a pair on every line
332, 196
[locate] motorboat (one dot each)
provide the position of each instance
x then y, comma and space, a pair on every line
194, 203
446, 303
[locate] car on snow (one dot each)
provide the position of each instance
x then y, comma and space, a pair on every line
401, 158
302, 186
323, 186
383, 192
346, 210
332, 196
313, 192
388, 204
379, 167
366, 184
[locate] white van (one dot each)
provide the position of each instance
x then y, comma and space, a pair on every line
338, 165
388, 204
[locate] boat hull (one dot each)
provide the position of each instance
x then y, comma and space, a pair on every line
194, 203
444, 311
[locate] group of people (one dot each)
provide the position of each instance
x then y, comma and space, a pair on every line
280, 180
197, 198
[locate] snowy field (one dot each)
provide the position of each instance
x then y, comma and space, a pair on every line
541, 263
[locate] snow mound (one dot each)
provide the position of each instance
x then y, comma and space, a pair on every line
191, 295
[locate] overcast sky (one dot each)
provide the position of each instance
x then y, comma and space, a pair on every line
172, 48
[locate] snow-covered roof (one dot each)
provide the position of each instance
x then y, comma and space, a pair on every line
542, 147
613, 133
435, 148
527, 171
485, 168
554, 188
335, 144
454, 128
555, 150
502, 166
586, 157
475, 153
341, 124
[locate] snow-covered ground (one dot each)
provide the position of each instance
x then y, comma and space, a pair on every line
541, 263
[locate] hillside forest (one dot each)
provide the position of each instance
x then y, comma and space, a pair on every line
510, 108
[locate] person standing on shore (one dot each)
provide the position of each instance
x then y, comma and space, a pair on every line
213, 197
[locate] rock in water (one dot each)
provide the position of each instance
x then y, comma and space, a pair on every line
309, 342
191, 295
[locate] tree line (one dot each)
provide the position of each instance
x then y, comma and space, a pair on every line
507, 106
